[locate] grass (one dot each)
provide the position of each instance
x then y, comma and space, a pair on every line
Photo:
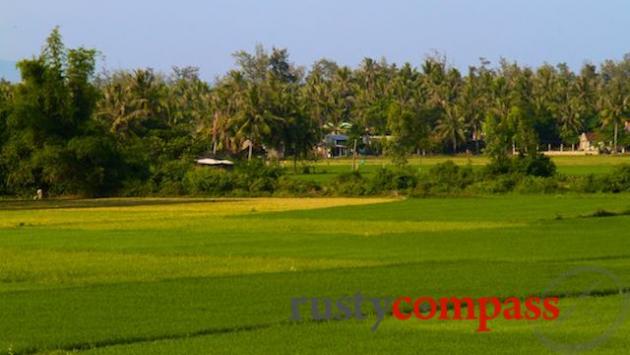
407, 337
118, 276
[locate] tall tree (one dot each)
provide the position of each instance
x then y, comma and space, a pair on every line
614, 98
52, 141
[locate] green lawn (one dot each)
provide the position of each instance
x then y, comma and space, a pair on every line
325, 170
193, 276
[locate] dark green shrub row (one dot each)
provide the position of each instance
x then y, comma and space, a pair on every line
254, 178
385, 181
531, 165
257, 178
524, 175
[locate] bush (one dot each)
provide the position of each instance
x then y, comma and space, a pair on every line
537, 184
534, 165
349, 184
397, 179
529, 165
618, 180
169, 178
446, 178
253, 178
136, 188
290, 186
499, 166
583, 184
257, 178
497, 185
208, 181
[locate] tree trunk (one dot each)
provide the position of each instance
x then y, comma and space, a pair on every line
214, 135
454, 145
615, 138
476, 140
295, 159
354, 156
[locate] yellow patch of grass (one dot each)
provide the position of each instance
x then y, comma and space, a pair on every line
64, 268
167, 215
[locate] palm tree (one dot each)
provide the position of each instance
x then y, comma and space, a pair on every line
341, 99
451, 125
317, 97
253, 119
614, 97
224, 102
337, 127
475, 100
187, 98
613, 106
120, 108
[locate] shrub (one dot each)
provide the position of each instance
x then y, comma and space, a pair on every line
445, 178
169, 178
499, 184
498, 166
291, 186
618, 180
136, 188
397, 179
534, 165
257, 177
583, 184
530, 165
537, 184
208, 181
349, 184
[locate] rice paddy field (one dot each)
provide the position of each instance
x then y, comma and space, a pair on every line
218, 276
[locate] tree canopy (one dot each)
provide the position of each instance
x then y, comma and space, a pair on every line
67, 130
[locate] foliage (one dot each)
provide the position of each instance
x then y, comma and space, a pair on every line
67, 131
51, 141
254, 178
618, 180
349, 184
446, 178
534, 165
397, 179
212, 182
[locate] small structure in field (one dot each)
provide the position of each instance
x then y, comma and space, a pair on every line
336, 144
215, 163
588, 143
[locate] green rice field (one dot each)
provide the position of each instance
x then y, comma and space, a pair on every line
202, 276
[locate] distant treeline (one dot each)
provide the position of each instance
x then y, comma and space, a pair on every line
67, 130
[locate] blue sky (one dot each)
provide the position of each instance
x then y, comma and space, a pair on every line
159, 34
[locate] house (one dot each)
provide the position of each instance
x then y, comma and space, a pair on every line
336, 145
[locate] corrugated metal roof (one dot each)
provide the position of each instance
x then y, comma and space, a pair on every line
208, 161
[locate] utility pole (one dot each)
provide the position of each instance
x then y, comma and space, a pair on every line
354, 156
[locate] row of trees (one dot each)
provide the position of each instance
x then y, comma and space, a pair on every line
268, 103
65, 128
